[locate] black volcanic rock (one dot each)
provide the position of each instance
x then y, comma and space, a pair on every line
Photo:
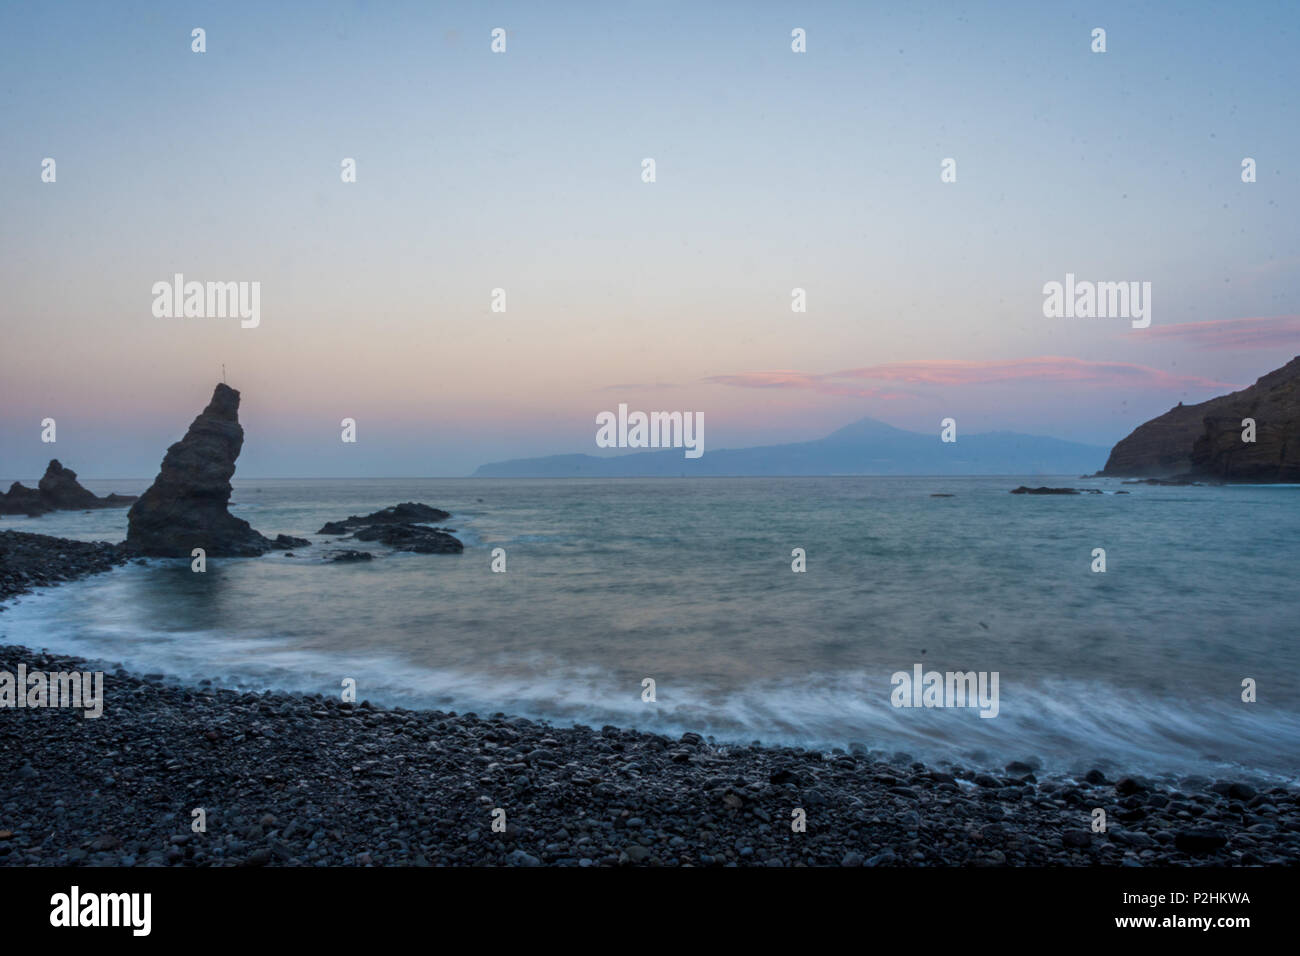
1026, 490
401, 527
284, 542
185, 508
1204, 441
349, 555
58, 490
30, 561
409, 512
21, 500
409, 537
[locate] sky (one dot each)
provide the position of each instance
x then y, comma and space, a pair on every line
522, 170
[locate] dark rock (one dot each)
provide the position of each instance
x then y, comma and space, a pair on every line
1199, 841
411, 537
409, 512
58, 490
1127, 785
1025, 490
259, 857
59, 487
284, 542
1131, 838
350, 555
1204, 440
186, 507
637, 853
38, 560
21, 500
1241, 791
401, 527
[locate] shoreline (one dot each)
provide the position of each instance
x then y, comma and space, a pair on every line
299, 779
29, 560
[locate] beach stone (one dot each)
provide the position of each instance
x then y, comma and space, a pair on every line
1241, 791
1199, 841
1128, 785
637, 853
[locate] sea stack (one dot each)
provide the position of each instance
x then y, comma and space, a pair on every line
1208, 441
58, 490
186, 506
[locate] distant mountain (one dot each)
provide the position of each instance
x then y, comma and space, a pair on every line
1205, 440
866, 447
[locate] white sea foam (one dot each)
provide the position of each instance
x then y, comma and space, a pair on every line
1134, 671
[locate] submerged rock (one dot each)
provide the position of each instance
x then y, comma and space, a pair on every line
409, 512
409, 537
1026, 490
350, 555
186, 506
401, 527
1171, 482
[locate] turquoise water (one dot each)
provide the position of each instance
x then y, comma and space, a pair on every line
689, 582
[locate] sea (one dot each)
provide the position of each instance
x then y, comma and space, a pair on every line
1179, 659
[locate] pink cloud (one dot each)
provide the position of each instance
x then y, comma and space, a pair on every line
1251, 333
801, 380
1042, 369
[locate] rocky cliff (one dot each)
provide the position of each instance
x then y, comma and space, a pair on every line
1206, 440
186, 507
